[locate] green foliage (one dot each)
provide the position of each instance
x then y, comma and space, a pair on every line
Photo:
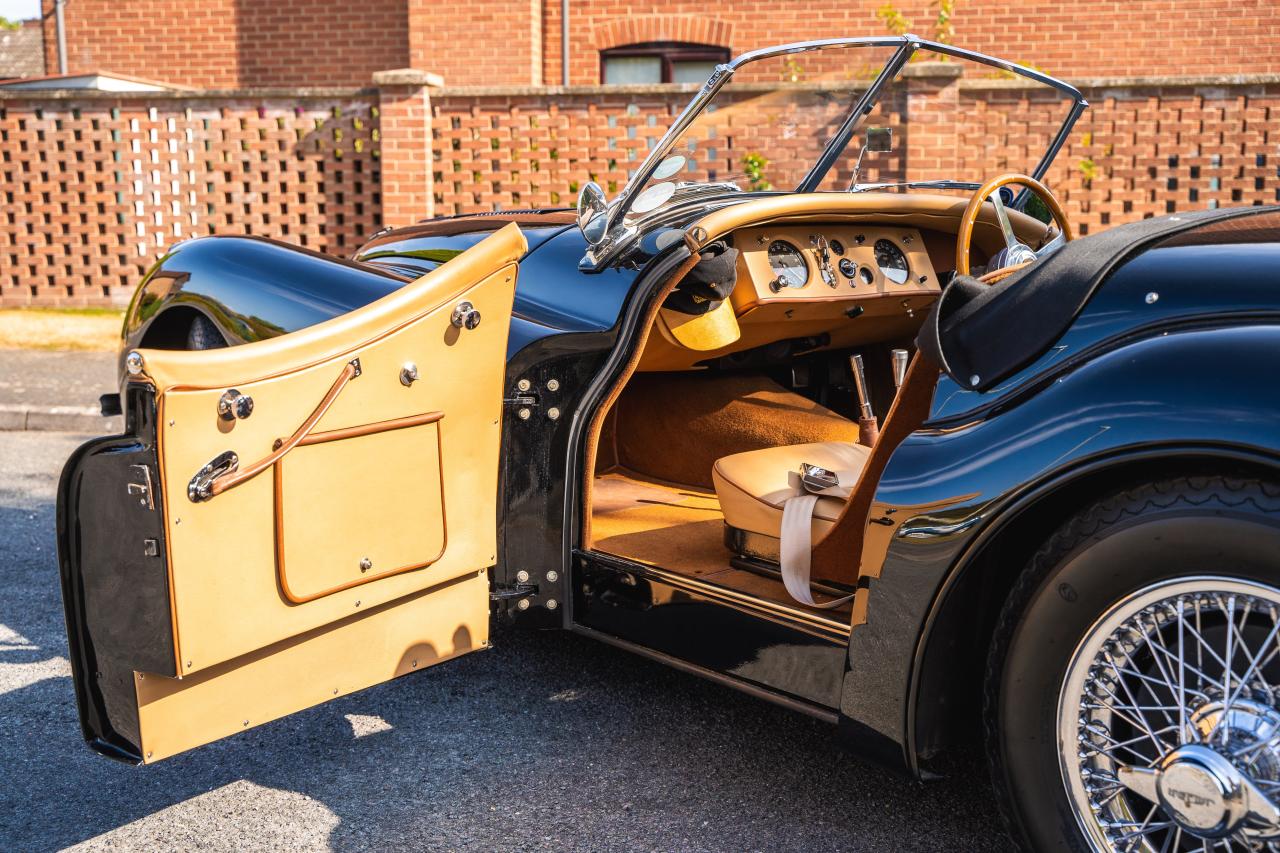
753, 165
1038, 210
1089, 170
6, 24
943, 30
894, 21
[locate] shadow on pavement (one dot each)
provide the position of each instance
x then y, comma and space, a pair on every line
549, 741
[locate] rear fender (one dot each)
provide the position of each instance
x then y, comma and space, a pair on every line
1196, 396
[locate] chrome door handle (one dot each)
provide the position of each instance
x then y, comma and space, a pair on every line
201, 486
232, 404
465, 316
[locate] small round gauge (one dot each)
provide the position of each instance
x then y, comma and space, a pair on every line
837, 248
788, 264
892, 263
848, 268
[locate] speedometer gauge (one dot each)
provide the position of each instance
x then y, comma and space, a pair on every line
788, 265
891, 261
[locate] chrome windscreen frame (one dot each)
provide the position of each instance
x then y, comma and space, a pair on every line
619, 236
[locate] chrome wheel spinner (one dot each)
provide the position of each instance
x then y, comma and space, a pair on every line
1169, 720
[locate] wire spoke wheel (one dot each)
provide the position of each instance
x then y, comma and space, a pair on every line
1169, 720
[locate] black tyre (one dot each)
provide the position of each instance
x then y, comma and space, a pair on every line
203, 334
1123, 710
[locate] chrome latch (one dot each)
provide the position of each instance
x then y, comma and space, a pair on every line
201, 486
815, 479
502, 592
465, 316
143, 490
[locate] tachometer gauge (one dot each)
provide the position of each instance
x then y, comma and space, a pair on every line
892, 263
788, 265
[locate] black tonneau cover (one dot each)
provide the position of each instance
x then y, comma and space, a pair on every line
982, 334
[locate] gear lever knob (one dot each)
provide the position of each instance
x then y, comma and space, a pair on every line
900, 358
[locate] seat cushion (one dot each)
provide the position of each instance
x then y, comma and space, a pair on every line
753, 486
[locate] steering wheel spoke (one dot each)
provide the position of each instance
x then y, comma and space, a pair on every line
1015, 252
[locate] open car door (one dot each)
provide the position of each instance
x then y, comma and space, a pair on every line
290, 520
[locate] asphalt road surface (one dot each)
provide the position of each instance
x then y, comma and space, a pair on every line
547, 742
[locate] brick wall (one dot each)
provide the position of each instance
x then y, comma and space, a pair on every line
94, 187
228, 43
1083, 38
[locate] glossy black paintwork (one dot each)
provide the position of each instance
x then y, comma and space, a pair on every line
1162, 384
1189, 374
690, 627
251, 288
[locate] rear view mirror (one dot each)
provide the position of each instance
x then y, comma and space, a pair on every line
879, 139
591, 213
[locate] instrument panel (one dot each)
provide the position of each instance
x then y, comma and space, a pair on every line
837, 262
848, 283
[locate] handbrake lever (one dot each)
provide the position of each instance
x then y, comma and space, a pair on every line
868, 427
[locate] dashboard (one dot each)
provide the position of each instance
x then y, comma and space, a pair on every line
845, 283
830, 262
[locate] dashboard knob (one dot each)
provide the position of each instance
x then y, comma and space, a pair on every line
848, 268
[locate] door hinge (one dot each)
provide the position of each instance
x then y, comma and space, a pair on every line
523, 401
508, 592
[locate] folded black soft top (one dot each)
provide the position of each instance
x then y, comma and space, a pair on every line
983, 334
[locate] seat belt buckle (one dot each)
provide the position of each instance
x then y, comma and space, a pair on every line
816, 479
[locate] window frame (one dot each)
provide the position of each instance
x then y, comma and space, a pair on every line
669, 52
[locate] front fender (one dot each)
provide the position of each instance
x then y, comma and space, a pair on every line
1206, 393
251, 288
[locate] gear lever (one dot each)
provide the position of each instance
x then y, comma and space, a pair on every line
868, 428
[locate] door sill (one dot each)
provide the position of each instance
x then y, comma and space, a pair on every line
836, 630
813, 710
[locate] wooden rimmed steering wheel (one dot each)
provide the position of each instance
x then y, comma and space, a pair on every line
1018, 252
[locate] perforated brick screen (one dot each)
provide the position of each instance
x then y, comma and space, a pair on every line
95, 188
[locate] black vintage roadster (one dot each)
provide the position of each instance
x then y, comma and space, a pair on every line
886, 447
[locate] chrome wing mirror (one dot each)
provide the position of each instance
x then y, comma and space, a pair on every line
593, 221
878, 139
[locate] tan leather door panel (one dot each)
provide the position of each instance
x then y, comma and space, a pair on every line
336, 565
386, 514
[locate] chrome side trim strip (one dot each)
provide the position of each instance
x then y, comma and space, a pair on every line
818, 711
809, 623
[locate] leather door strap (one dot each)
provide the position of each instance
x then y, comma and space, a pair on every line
234, 478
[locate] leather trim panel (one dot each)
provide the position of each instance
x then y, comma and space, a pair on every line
389, 515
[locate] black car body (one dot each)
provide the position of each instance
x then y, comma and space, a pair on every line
1159, 368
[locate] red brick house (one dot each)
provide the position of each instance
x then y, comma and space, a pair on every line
227, 44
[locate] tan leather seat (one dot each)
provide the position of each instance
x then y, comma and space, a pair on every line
753, 486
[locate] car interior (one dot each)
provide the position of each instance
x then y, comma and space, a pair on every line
768, 390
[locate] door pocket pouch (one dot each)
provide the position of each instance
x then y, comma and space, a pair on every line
359, 504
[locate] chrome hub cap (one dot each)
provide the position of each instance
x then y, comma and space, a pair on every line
1169, 720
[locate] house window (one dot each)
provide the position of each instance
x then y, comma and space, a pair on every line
660, 62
